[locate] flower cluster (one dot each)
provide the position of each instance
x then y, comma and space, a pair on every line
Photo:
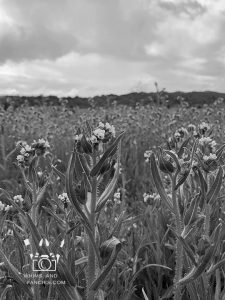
103, 133
64, 198
18, 199
207, 144
206, 149
28, 152
211, 156
4, 207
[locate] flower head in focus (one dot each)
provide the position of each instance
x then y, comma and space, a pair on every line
18, 199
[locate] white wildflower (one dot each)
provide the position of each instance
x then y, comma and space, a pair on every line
101, 125
177, 134
204, 125
99, 133
20, 158
111, 129
26, 242
205, 140
63, 197
93, 139
8, 207
18, 199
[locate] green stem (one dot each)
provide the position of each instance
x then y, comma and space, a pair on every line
207, 211
91, 253
179, 247
207, 219
34, 219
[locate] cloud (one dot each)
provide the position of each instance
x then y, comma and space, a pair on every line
72, 74
91, 47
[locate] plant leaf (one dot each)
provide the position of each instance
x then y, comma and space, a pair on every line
17, 276
113, 242
111, 186
215, 188
197, 271
82, 260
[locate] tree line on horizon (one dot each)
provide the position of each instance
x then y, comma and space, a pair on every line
132, 99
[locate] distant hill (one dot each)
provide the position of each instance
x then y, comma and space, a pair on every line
131, 99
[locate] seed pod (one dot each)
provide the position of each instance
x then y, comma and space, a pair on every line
165, 165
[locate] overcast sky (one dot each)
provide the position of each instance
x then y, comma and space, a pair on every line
91, 47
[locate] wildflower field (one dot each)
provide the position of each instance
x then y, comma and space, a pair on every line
112, 203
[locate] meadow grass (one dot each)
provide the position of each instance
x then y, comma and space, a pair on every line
151, 235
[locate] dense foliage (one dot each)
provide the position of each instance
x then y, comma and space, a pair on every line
155, 176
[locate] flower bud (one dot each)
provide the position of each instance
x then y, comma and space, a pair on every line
80, 191
85, 145
165, 165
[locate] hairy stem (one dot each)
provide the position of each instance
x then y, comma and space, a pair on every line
91, 253
207, 219
179, 247
34, 219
